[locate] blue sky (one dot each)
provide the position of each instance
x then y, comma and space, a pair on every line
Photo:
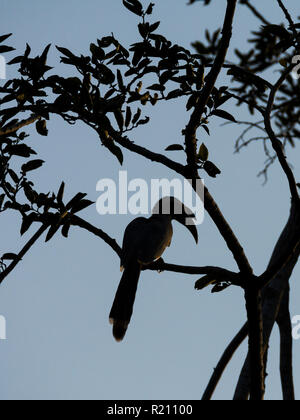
59, 343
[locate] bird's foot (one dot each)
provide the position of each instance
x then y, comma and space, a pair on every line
160, 264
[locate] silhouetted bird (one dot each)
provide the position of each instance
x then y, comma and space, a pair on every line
145, 241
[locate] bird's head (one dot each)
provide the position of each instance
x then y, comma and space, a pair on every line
174, 208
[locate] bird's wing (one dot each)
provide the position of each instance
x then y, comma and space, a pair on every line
133, 237
145, 240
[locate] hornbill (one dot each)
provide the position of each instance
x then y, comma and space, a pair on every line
145, 241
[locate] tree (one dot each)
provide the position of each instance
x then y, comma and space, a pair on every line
108, 96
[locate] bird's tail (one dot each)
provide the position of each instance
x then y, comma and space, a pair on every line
122, 308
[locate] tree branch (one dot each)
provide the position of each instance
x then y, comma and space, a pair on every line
210, 81
286, 348
209, 203
224, 361
146, 153
288, 18
19, 125
220, 273
273, 293
276, 143
78, 221
255, 11
227, 233
287, 246
253, 299
23, 252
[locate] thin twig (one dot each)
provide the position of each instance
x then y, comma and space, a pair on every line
211, 78
78, 221
255, 11
288, 18
224, 361
23, 252
276, 143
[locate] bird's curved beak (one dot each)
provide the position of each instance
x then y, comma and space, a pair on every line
186, 219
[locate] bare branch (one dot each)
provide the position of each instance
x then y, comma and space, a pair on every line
255, 11
227, 233
256, 349
276, 143
274, 290
78, 221
220, 273
224, 361
146, 153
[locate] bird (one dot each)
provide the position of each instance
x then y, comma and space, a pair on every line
145, 241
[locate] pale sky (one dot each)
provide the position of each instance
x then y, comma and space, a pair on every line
56, 303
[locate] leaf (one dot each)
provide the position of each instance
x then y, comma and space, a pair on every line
120, 81
41, 127
52, 231
224, 114
32, 165
134, 6
115, 150
204, 282
83, 204
136, 116
220, 287
10, 257
65, 229
144, 99
174, 148
65, 52
150, 9
20, 150
143, 29
154, 26
13, 175
27, 222
206, 129
175, 94
157, 87
119, 118
203, 153
143, 121
45, 54
4, 37
211, 169
277, 30
16, 60
5, 48
60, 194
78, 197
2, 197
30, 194
128, 116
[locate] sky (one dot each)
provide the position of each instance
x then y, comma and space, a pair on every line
56, 303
